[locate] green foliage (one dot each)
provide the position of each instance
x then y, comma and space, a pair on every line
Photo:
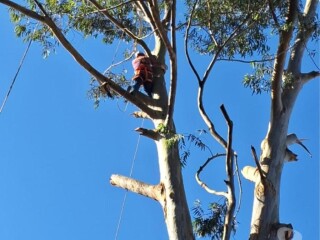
259, 81
97, 94
229, 28
81, 17
210, 224
191, 139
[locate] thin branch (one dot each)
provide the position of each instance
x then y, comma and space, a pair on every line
120, 26
240, 185
271, 8
118, 63
173, 66
202, 184
151, 191
23, 10
186, 38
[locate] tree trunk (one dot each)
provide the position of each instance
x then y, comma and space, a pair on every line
174, 203
265, 215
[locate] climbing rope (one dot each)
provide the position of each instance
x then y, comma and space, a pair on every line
15, 76
126, 193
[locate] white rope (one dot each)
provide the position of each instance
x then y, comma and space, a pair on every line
126, 193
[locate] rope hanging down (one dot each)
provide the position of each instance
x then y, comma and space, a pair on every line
15, 76
126, 193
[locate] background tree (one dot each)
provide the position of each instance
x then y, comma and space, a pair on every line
241, 22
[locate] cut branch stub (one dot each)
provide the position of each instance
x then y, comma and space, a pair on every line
130, 184
251, 173
149, 133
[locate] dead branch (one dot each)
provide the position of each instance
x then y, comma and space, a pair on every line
228, 222
202, 184
173, 66
240, 184
256, 160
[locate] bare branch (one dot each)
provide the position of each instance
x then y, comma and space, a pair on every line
202, 184
228, 222
186, 38
256, 160
173, 66
151, 191
240, 184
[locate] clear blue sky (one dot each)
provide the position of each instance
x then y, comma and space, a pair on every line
57, 152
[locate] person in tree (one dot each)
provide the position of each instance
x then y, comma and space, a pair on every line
144, 68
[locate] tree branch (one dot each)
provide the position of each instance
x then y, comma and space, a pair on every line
144, 9
284, 41
46, 19
151, 191
121, 26
202, 184
173, 66
23, 10
228, 222
139, 114
186, 38
148, 133
305, 77
255, 157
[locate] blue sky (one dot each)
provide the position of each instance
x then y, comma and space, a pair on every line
57, 152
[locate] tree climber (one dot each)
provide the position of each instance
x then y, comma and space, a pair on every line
144, 68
